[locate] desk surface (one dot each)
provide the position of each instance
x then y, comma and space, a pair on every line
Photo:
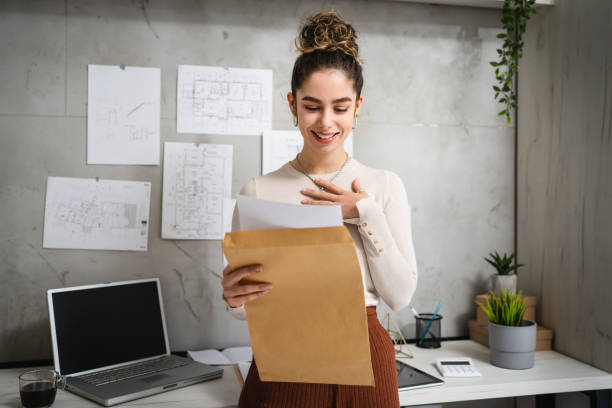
220, 393
552, 373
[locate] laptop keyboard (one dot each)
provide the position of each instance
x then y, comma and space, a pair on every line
133, 370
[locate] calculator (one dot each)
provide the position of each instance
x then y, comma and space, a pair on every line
457, 367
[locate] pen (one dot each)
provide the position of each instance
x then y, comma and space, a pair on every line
431, 321
414, 312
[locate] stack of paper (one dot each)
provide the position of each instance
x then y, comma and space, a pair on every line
241, 356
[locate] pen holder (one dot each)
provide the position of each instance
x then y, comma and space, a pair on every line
432, 334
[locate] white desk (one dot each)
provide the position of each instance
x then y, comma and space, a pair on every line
552, 373
220, 393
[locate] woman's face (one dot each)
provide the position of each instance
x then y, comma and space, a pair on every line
326, 106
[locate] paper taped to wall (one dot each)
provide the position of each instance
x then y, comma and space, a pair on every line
96, 214
123, 115
197, 187
281, 146
220, 100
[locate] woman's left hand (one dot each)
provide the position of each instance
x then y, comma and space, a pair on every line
334, 195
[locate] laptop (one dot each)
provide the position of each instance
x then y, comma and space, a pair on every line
111, 346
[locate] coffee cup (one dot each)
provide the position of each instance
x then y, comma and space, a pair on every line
37, 388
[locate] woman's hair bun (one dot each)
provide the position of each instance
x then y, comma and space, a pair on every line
327, 31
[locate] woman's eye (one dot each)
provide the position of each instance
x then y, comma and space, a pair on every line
311, 108
341, 109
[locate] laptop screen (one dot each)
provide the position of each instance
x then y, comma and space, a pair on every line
106, 325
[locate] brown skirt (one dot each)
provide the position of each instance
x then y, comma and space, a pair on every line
257, 393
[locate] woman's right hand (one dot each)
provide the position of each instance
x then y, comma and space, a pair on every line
235, 294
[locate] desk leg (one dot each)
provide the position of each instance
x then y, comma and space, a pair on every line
600, 398
545, 401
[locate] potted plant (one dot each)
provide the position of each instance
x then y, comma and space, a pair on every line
512, 340
506, 273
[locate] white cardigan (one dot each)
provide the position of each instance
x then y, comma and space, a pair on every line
382, 234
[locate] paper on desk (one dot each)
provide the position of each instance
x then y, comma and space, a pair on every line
228, 356
312, 326
257, 214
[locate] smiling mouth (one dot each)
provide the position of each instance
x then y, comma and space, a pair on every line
325, 138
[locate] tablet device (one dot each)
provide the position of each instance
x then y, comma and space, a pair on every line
409, 377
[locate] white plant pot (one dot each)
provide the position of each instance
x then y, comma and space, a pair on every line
506, 282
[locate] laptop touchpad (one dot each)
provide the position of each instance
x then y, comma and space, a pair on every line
154, 378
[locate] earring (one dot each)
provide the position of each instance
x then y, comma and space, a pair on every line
354, 122
295, 122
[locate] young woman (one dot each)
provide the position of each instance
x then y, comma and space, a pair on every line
325, 99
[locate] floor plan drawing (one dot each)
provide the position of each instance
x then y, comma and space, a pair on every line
197, 185
123, 115
220, 100
96, 214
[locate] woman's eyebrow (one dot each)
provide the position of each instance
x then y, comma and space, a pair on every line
311, 99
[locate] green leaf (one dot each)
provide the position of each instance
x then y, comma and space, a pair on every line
502, 112
501, 35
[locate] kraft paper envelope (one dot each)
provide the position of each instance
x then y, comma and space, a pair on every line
312, 326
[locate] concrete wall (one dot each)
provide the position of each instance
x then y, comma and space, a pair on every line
564, 191
428, 115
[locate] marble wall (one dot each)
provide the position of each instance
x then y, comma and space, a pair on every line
428, 115
564, 193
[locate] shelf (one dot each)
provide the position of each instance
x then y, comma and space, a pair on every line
476, 3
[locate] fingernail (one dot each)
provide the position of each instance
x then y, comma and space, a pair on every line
267, 287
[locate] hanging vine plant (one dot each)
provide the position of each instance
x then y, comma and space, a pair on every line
515, 14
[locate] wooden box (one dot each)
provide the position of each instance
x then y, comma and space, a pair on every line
480, 334
530, 309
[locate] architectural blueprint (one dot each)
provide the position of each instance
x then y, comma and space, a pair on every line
220, 100
281, 146
123, 115
197, 188
96, 214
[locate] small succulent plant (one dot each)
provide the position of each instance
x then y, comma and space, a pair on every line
503, 265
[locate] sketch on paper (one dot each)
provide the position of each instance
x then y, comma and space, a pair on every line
217, 100
281, 146
197, 188
123, 115
96, 214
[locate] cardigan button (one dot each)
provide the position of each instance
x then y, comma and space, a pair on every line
370, 232
380, 249
365, 224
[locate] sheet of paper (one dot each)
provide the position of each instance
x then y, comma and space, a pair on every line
219, 100
312, 326
96, 214
238, 354
123, 115
257, 214
230, 355
281, 146
197, 183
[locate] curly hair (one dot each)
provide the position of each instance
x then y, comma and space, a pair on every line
325, 40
